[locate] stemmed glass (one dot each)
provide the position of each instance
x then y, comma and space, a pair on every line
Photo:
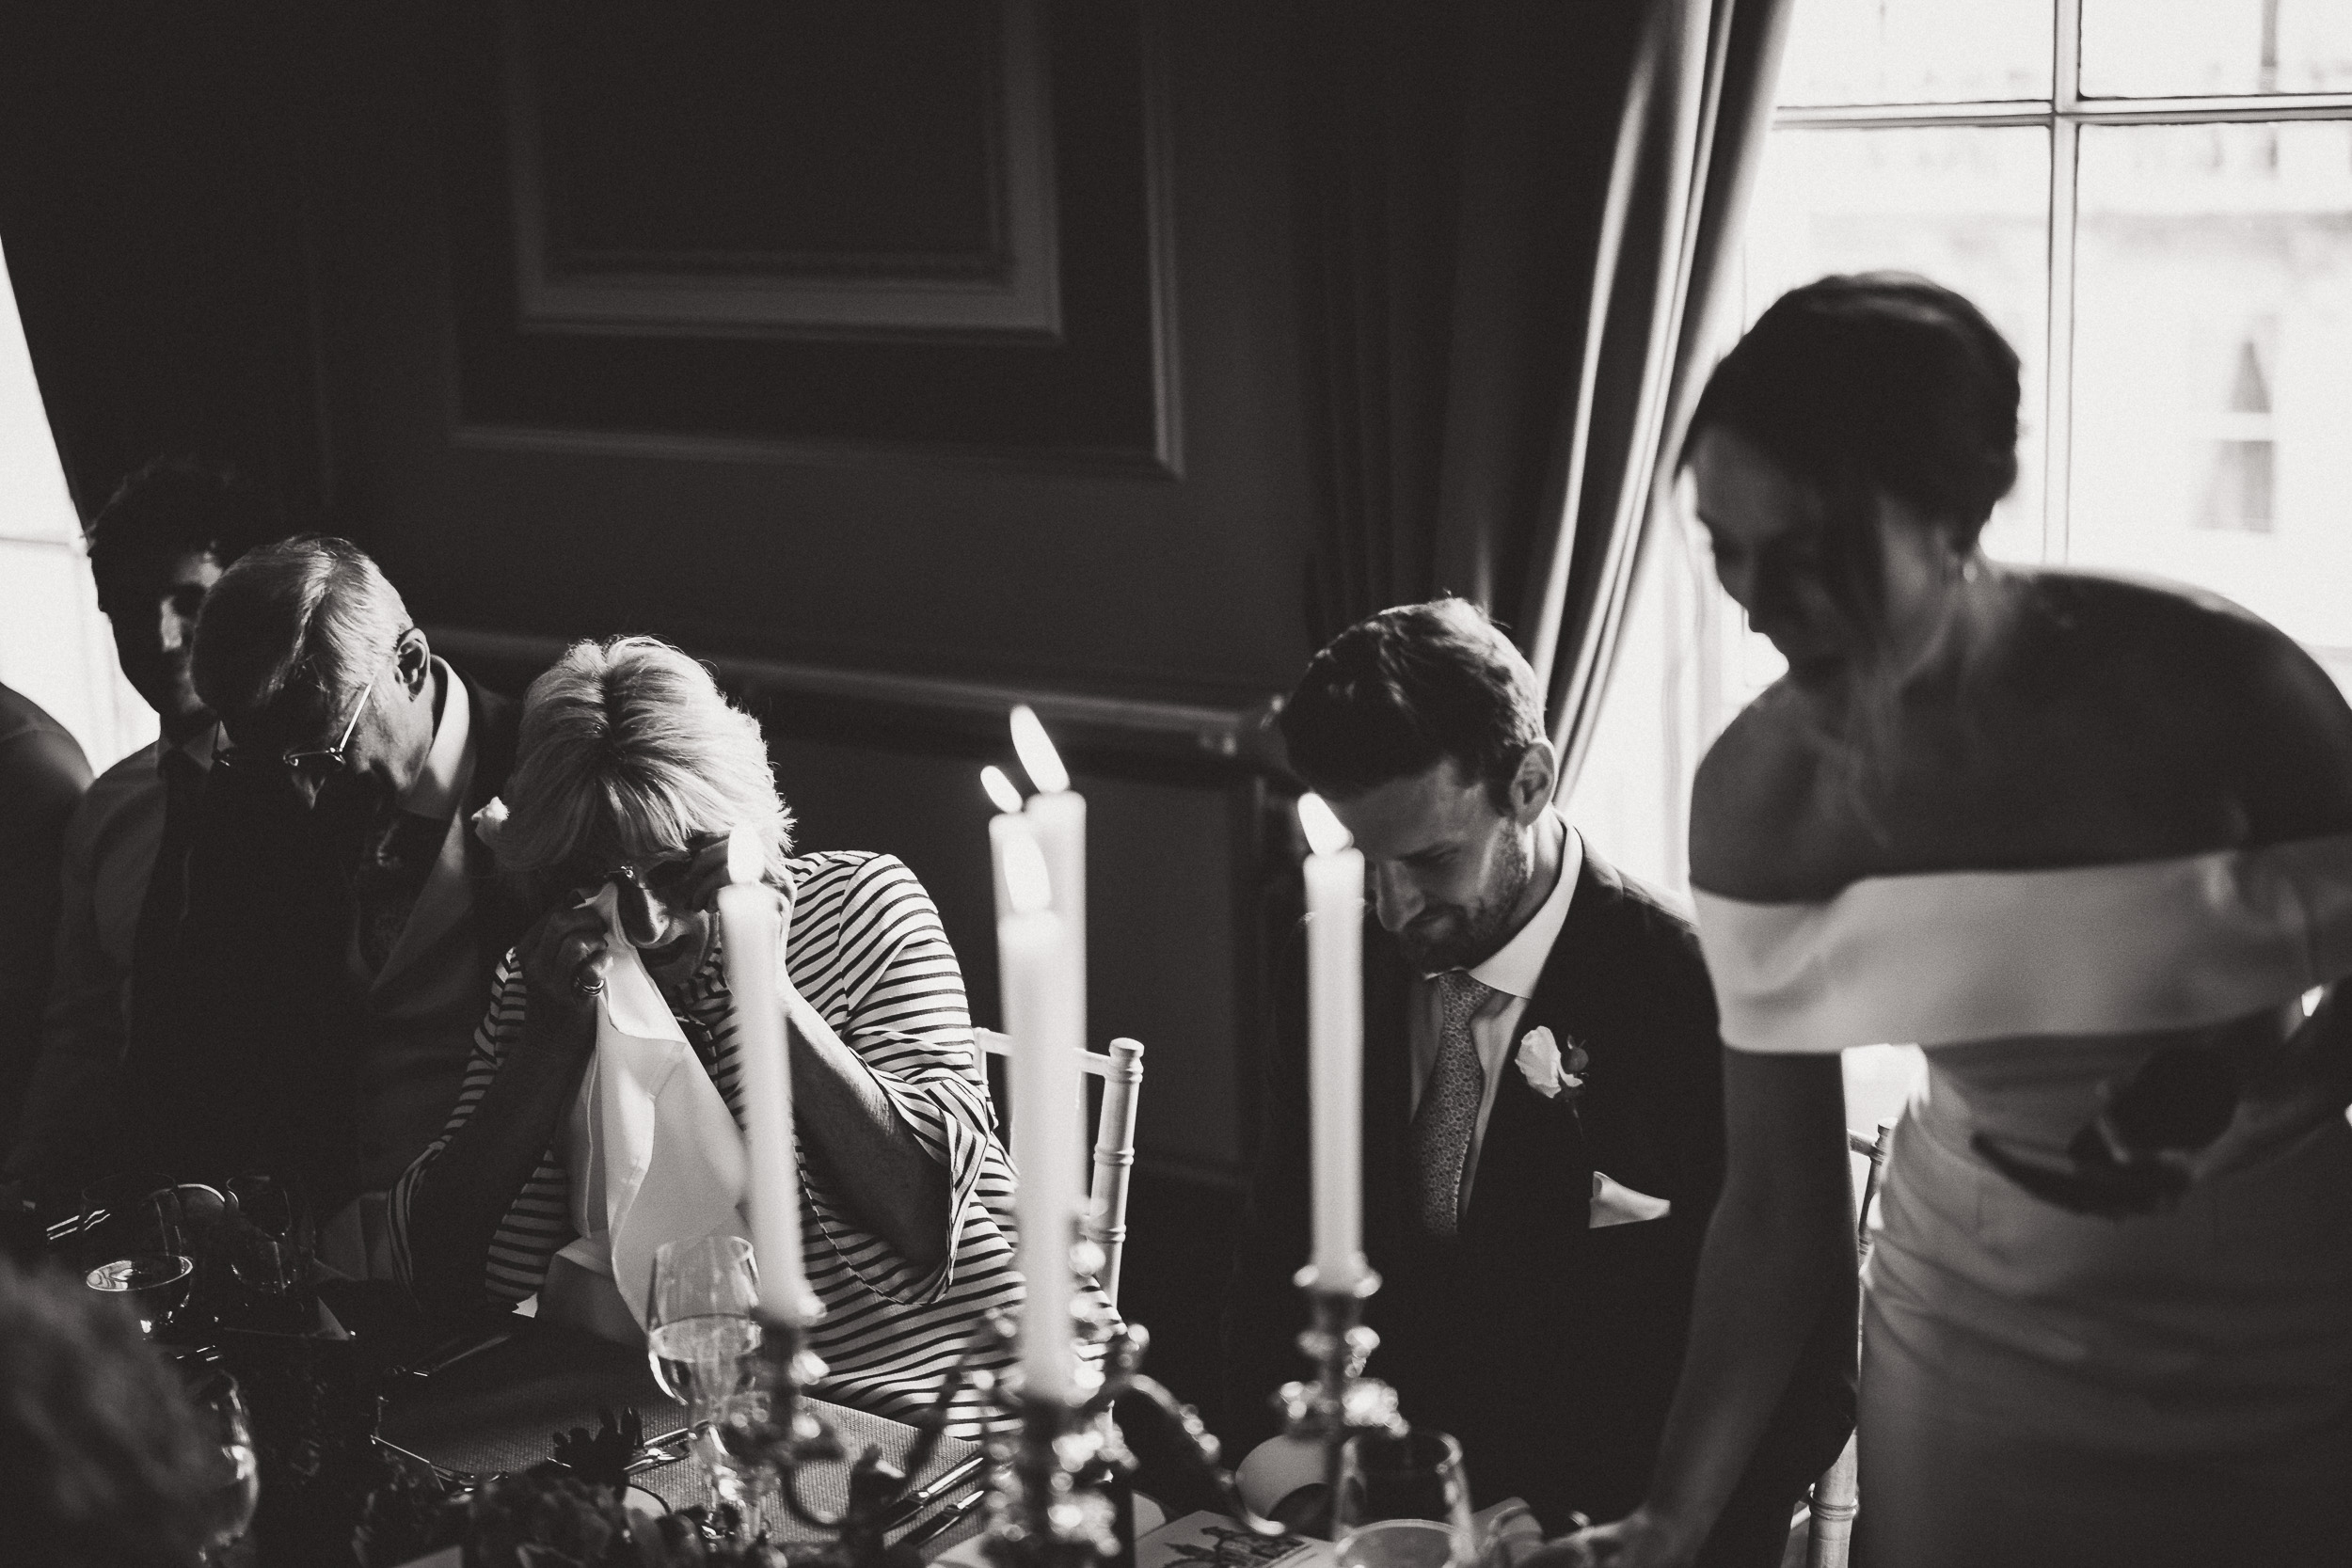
270, 1247
700, 1337
1403, 1502
134, 1245
236, 1473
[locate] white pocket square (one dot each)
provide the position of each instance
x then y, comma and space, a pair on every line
1615, 1203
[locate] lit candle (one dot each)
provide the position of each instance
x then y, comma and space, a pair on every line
1335, 1042
1008, 800
1042, 1017
1057, 814
754, 944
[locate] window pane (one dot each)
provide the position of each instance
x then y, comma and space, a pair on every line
2157, 48
2212, 366
1917, 52
1967, 206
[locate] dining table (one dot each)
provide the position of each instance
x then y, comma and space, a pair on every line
498, 1409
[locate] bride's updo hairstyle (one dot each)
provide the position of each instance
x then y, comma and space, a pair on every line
1874, 381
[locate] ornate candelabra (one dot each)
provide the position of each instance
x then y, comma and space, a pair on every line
1062, 1493
783, 1437
1341, 1400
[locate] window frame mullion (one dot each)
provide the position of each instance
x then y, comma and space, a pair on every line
2058, 397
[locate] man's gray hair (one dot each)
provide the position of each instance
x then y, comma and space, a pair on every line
628, 750
312, 613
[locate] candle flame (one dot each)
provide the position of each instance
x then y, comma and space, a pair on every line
1000, 788
1028, 886
1325, 835
746, 859
1038, 756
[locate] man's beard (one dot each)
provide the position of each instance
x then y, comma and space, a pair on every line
1469, 942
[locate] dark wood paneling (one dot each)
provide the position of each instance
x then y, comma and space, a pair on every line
1091, 387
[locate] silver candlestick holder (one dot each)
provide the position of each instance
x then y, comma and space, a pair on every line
1339, 1401
1065, 1476
783, 1436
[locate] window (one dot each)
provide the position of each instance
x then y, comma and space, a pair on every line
2152, 200
54, 646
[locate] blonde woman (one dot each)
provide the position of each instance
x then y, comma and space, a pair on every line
631, 770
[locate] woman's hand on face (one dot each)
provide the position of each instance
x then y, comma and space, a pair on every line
1637, 1540
564, 957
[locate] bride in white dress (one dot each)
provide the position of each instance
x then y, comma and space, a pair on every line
2088, 842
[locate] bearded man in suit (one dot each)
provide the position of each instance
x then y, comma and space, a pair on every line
343, 919
1543, 1120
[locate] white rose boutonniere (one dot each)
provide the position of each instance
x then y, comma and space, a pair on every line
489, 822
1547, 1070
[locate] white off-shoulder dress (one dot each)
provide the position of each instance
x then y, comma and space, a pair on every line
2041, 1385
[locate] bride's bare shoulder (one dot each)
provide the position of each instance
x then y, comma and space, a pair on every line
1755, 801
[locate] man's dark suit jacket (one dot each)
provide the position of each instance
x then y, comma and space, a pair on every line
1549, 1349
261, 1067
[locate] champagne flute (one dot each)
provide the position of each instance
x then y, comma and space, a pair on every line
236, 1473
1403, 1502
134, 1245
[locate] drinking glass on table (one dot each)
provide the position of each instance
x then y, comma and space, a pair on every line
1403, 1502
270, 1247
235, 1474
133, 1245
700, 1335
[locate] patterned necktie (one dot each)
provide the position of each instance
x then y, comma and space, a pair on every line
396, 859
1448, 1114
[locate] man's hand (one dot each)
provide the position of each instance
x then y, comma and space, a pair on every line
564, 957
1640, 1540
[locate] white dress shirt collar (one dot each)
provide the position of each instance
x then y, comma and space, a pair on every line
434, 792
1518, 964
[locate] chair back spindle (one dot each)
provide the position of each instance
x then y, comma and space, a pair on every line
1104, 1222
1838, 1496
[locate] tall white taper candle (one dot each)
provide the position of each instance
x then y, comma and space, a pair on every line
752, 932
1058, 814
1042, 1019
1335, 1042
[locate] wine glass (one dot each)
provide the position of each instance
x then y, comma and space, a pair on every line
234, 1473
1403, 1502
133, 1245
700, 1335
270, 1247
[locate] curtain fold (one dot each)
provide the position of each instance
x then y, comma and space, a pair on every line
1515, 215
1697, 108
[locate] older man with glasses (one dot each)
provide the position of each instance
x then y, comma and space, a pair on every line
342, 924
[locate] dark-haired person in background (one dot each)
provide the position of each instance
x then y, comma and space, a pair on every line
42, 775
155, 549
343, 919
1542, 1111
2088, 842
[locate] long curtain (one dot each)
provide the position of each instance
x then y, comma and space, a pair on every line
1697, 107
1516, 214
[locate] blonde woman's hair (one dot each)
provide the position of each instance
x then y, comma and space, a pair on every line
628, 750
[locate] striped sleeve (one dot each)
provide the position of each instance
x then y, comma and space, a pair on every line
869, 954
873, 962
538, 1222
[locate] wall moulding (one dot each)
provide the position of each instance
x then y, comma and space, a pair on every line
819, 265
1150, 737
1001, 290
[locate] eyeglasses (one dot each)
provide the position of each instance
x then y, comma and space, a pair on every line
323, 761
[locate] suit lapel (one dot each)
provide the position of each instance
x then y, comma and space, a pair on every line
1534, 1170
